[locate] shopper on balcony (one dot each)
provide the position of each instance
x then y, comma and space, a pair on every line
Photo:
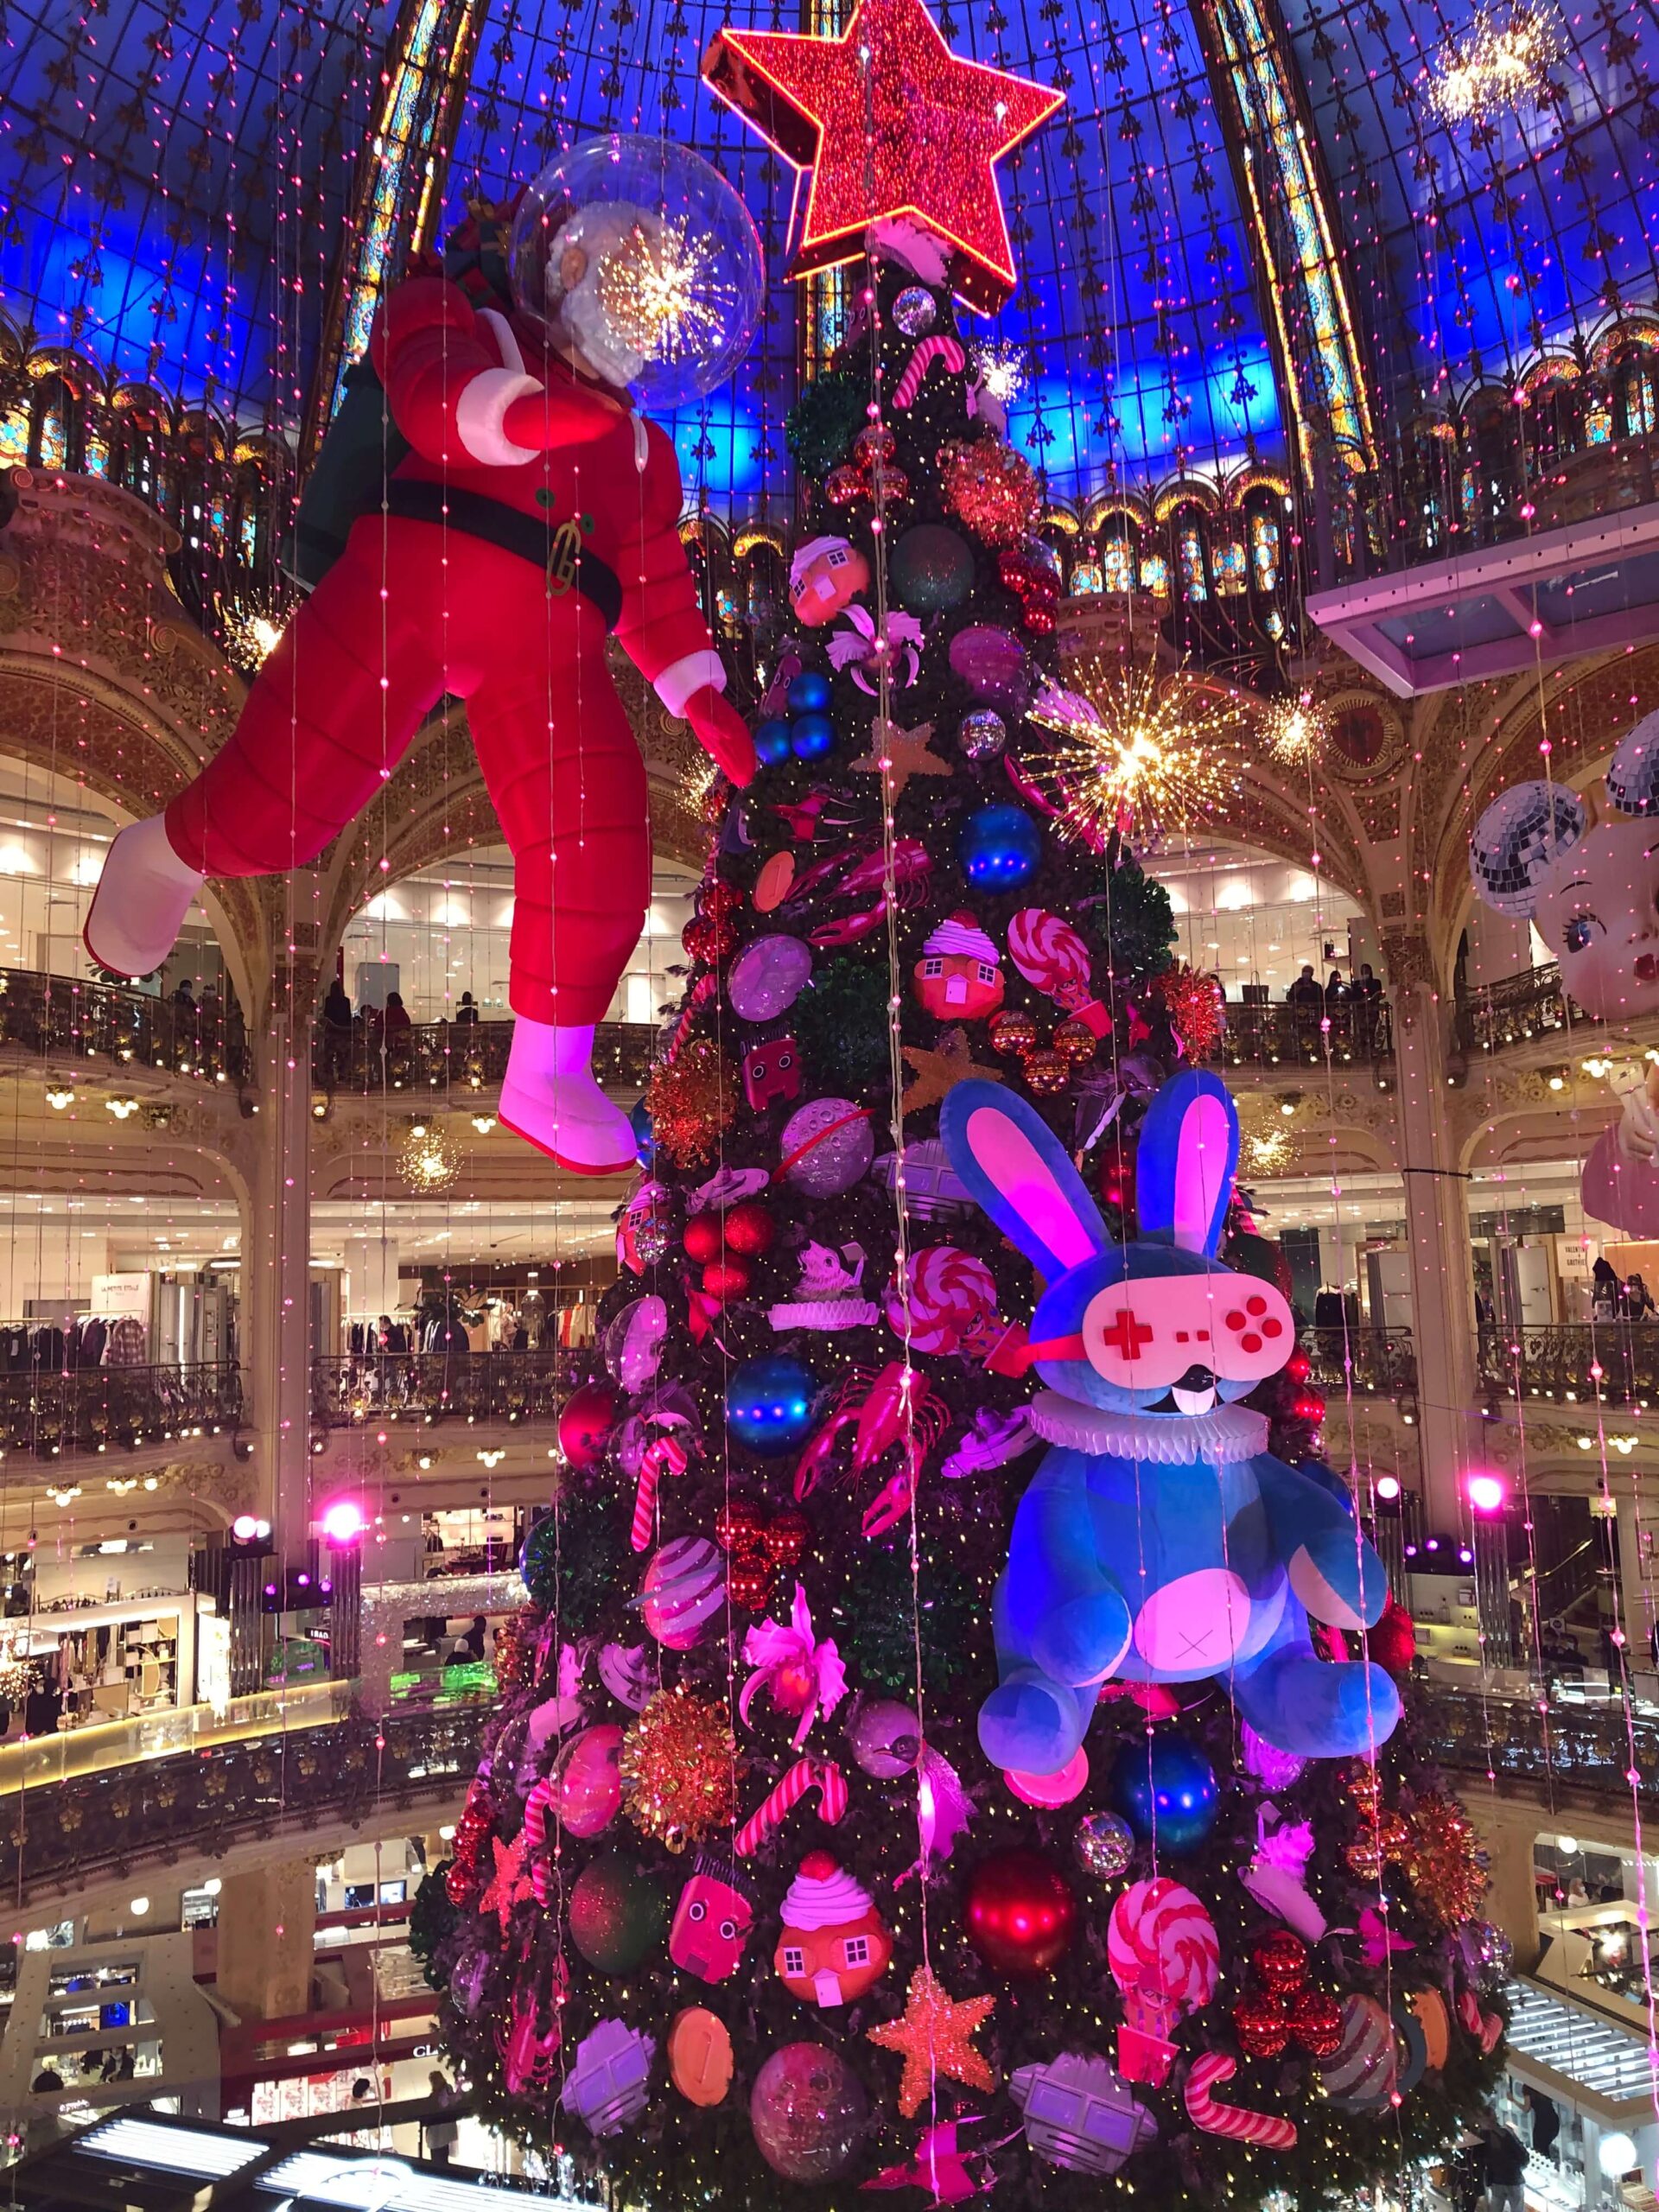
467, 1010
1605, 1289
1305, 991
1638, 1299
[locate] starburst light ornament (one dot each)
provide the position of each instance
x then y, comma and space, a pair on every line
653, 287
428, 1161
1159, 757
1293, 731
1502, 61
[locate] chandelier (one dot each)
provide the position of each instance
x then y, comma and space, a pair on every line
428, 1162
1160, 753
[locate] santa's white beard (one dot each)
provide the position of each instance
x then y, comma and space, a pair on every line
586, 324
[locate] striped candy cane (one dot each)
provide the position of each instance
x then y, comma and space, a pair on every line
939, 347
822, 1775
1237, 2124
665, 1455
541, 1866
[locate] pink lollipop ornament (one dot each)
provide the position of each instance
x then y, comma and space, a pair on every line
1165, 1956
1053, 958
952, 1301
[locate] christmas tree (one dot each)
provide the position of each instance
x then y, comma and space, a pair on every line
749, 1905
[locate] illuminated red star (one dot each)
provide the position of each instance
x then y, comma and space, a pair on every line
510, 1885
890, 122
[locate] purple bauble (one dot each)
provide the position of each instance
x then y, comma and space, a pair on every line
809, 2111
994, 666
768, 976
833, 1138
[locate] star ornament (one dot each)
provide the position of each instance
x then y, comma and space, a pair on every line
510, 1885
933, 1074
899, 754
890, 122
936, 2037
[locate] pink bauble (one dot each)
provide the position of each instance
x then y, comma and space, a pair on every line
683, 1591
585, 1423
587, 1795
1050, 1789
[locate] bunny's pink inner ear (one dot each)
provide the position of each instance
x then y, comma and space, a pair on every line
1201, 1159
1027, 1184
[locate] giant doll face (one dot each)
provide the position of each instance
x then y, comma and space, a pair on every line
1597, 910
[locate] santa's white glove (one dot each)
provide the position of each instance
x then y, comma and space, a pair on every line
1639, 1122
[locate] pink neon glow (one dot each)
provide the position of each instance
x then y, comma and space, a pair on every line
343, 1522
1388, 1488
1486, 1493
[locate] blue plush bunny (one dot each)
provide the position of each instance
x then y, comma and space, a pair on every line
1160, 1542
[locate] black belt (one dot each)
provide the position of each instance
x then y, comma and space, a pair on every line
554, 548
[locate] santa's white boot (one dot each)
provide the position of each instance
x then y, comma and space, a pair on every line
142, 898
550, 1098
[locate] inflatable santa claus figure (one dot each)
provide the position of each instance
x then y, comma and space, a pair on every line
528, 514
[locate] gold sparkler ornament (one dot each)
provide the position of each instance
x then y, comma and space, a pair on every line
1501, 61
428, 1162
651, 288
1293, 731
1161, 757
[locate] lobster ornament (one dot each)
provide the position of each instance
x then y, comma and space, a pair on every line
1159, 1541
884, 1411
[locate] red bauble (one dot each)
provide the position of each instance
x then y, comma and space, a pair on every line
750, 1228
749, 1584
707, 938
585, 1425
702, 1238
1260, 2026
1281, 1960
1020, 1913
787, 1536
720, 900
1299, 1367
1315, 2022
726, 1279
1393, 1642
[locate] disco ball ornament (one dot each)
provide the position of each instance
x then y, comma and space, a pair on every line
930, 568
1516, 837
1103, 1845
1633, 772
618, 1912
585, 1423
808, 694
1019, 1912
637, 255
915, 310
982, 734
772, 739
1165, 1788
999, 847
809, 2111
769, 1404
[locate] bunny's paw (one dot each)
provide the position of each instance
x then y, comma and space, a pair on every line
1081, 1640
1033, 1724
1339, 1578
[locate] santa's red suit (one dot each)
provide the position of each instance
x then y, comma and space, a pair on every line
535, 514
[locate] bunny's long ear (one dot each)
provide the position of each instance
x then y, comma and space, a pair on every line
1014, 1167
1186, 1162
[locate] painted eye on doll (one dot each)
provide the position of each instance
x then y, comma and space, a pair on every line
729, 1929
696, 1910
1582, 931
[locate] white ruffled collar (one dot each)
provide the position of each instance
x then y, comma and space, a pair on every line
1221, 1438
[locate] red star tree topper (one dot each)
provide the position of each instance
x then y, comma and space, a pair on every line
890, 122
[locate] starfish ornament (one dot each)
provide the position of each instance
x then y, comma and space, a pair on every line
899, 755
510, 1885
935, 2036
937, 1071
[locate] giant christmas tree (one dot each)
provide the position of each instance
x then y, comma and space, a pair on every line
740, 1910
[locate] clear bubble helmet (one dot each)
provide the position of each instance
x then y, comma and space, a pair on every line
640, 257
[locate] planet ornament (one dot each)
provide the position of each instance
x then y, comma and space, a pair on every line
683, 1593
827, 1146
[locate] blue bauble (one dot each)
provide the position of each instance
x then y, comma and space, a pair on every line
809, 693
999, 847
1168, 1786
644, 1142
812, 736
772, 739
769, 1404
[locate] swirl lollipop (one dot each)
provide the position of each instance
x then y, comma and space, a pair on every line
952, 1301
1050, 955
1163, 1952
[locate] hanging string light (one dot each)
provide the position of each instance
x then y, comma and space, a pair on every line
1160, 756
428, 1161
1502, 61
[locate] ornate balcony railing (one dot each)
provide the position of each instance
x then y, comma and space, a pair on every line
1614, 1361
1589, 1746
58, 1839
52, 1414
1306, 1036
1515, 1009
59, 1018
1372, 1362
459, 1057
432, 1386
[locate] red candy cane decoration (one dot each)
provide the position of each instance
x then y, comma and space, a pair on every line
939, 347
541, 1866
822, 1775
1237, 2124
665, 1455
